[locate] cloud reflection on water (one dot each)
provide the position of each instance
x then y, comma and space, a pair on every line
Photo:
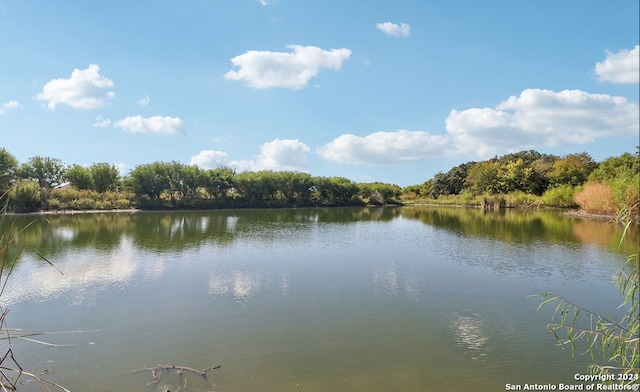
386, 280
86, 270
241, 284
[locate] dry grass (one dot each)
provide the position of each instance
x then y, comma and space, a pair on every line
597, 198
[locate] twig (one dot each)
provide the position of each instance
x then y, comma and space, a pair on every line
36, 377
157, 371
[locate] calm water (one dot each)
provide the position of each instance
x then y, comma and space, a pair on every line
395, 299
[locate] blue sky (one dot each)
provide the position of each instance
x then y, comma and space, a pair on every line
372, 91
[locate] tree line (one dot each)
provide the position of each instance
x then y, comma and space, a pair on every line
36, 184
522, 178
529, 177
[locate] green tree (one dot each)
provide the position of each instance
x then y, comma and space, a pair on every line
540, 177
257, 186
104, 176
451, 182
293, 186
483, 177
412, 189
625, 165
218, 181
379, 192
334, 190
191, 179
147, 180
80, 177
514, 176
426, 189
8, 167
572, 169
49, 172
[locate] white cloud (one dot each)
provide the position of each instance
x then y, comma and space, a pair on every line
209, 159
144, 101
264, 69
277, 155
533, 120
9, 106
621, 67
123, 168
156, 124
541, 118
384, 147
282, 154
394, 30
85, 89
102, 122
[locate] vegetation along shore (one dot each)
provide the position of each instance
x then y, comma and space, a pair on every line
522, 179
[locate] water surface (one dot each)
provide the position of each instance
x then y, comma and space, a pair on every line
343, 299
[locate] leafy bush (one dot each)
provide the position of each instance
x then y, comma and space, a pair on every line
522, 199
627, 191
66, 196
466, 197
560, 196
80, 199
122, 204
25, 196
83, 204
494, 201
55, 205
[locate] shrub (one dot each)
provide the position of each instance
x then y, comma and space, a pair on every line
495, 201
65, 195
25, 196
83, 204
597, 198
626, 190
122, 204
560, 196
55, 204
101, 205
466, 197
522, 199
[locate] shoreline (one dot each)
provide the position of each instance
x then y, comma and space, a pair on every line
586, 215
569, 213
74, 212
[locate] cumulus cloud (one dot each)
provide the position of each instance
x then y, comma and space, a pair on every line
102, 122
209, 159
156, 124
621, 67
384, 147
144, 101
264, 69
541, 118
282, 154
277, 155
85, 89
534, 119
394, 30
7, 106
123, 168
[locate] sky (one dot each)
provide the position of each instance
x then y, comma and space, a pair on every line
390, 91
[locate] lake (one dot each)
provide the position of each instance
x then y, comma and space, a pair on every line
340, 299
